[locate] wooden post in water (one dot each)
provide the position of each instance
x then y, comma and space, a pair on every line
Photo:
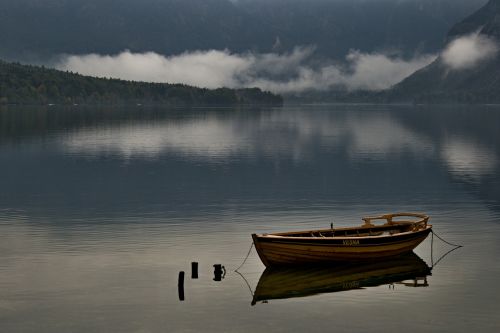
180, 285
218, 272
194, 270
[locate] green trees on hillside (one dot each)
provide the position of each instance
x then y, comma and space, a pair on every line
24, 84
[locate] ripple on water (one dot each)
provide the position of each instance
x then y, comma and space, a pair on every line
98, 216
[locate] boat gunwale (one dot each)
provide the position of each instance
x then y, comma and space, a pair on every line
287, 236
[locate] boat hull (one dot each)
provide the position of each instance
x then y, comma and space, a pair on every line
276, 251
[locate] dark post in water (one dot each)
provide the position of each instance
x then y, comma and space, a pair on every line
180, 286
219, 272
194, 270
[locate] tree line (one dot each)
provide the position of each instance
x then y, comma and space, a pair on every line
27, 84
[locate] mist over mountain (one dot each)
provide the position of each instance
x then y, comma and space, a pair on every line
34, 30
468, 68
287, 73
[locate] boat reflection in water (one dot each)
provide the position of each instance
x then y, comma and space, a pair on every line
281, 283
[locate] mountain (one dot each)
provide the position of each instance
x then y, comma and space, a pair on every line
24, 84
467, 71
35, 30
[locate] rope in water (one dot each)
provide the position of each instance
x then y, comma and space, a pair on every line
244, 261
456, 245
434, 264
246, 281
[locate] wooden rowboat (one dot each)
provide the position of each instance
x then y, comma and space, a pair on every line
291, 282
400, 234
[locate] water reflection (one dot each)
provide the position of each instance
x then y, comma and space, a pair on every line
100, 209
207, 138
162, 159
282, 283
283, 134
469, 161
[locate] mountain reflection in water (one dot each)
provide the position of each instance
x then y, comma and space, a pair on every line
202, 159
100, 209
282, 283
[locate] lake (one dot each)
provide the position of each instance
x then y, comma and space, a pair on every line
101, 208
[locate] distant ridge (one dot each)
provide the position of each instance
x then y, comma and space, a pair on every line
37, 30
438, 83
26, 84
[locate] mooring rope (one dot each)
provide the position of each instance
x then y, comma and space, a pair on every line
432, 248
246, 281
244, 261
434, 264
456, 245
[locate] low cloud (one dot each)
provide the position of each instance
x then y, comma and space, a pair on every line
210, 69
468, 51
281, 73
362, 72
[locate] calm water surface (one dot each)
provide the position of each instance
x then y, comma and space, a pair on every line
100, 209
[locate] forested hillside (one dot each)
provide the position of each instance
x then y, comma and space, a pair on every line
23, 84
